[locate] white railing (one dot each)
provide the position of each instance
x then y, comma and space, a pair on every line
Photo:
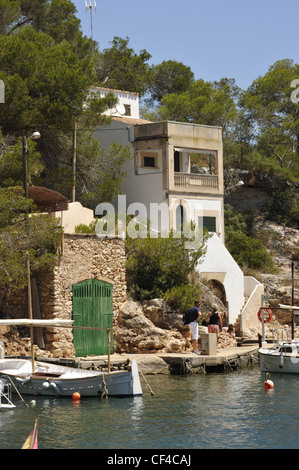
188, 180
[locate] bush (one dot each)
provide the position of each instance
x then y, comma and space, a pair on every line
247, 251
82, 228
156, 265
283, 205
250, 252
181, 298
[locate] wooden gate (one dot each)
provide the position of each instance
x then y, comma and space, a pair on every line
92, 307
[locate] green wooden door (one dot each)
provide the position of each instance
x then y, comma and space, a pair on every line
92, 307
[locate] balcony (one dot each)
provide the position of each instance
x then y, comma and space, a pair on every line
195, 181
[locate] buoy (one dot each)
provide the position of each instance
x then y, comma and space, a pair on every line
33, 403
268, 384
76, 396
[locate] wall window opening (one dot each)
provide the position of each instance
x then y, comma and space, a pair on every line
208, 223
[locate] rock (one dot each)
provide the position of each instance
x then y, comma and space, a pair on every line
153, 365
225, 340
137, 333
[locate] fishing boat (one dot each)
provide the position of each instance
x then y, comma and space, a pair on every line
56, 380
31, 377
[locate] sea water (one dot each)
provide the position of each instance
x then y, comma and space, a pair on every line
214, 411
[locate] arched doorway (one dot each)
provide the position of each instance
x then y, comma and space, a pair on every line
217, 288
92, 308
180, 217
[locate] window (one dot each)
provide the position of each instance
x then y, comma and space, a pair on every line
149, 159
207, 222
127, 109
177, 161
180, 218
149, 162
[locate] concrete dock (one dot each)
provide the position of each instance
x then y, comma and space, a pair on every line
177, 363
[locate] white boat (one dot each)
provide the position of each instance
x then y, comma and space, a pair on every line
56, 380
283, 357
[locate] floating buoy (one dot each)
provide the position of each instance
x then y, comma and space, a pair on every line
268, 384
33, 403
76, 396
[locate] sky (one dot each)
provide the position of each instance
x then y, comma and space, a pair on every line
237, 39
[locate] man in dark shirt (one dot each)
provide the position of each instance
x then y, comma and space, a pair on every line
193, 317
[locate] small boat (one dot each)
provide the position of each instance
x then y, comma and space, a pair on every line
32, 440
283, 357
31, 377
56, 380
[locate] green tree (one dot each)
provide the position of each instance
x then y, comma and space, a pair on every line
283, 205
47, 86
169, 77
268, 107
104, 181
119, 67
37, 235
11, 162
204, 103
45, 83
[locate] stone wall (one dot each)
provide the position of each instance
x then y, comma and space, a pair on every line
84, 257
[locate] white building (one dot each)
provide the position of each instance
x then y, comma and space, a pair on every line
179, 166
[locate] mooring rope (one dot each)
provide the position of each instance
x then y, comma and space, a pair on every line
152, 393
105, 392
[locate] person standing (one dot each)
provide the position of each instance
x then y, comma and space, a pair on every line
193, 317
214, 321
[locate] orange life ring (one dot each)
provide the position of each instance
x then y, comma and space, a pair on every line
266, 311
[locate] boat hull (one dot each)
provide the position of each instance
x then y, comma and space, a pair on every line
282, 363
54, 380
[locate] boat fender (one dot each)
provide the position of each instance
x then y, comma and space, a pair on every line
23, 381
281, 361
55, 387
45, 385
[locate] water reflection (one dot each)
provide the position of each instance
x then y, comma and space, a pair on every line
214, 411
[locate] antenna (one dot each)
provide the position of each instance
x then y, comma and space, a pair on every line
90, 5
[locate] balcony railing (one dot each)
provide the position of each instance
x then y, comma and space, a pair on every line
195, 180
